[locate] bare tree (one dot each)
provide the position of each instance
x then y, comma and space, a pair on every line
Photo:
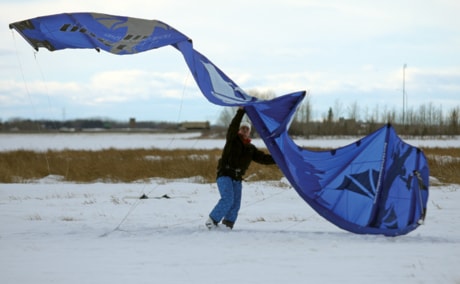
226, 116
388, 115
338, 108
454, 121
353, 111
303, 117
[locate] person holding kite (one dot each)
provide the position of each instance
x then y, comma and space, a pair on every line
236, 157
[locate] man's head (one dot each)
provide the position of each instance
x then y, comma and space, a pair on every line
245, 124
245, 129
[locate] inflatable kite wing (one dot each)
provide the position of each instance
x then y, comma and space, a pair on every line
126, 35
118, 35
378, 185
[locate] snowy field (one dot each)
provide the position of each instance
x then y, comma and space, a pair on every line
97, 141
57, 232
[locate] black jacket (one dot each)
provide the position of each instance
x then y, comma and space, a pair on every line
237, 155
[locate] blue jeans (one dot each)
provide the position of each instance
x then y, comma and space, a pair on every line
230, 200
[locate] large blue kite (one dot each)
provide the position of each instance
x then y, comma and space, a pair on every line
377, 185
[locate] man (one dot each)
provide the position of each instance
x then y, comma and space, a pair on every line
237, 155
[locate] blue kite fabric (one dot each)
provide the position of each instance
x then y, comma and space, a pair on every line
377, 185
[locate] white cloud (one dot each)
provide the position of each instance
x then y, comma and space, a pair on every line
352, 50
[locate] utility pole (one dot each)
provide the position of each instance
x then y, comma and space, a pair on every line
404, 95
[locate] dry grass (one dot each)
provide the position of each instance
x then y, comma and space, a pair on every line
114, 165
118, 165
444, 164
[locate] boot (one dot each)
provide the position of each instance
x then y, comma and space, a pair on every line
227, 223
211, 224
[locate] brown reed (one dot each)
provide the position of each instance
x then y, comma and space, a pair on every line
113, 165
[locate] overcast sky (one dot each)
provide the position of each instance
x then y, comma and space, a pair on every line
342, 52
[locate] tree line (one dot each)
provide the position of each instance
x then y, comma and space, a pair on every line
424, 120
46, 125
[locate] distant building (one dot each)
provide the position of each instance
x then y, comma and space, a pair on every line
195, 125
132, 122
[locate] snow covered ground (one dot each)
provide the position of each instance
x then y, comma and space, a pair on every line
97, 141
57, 232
